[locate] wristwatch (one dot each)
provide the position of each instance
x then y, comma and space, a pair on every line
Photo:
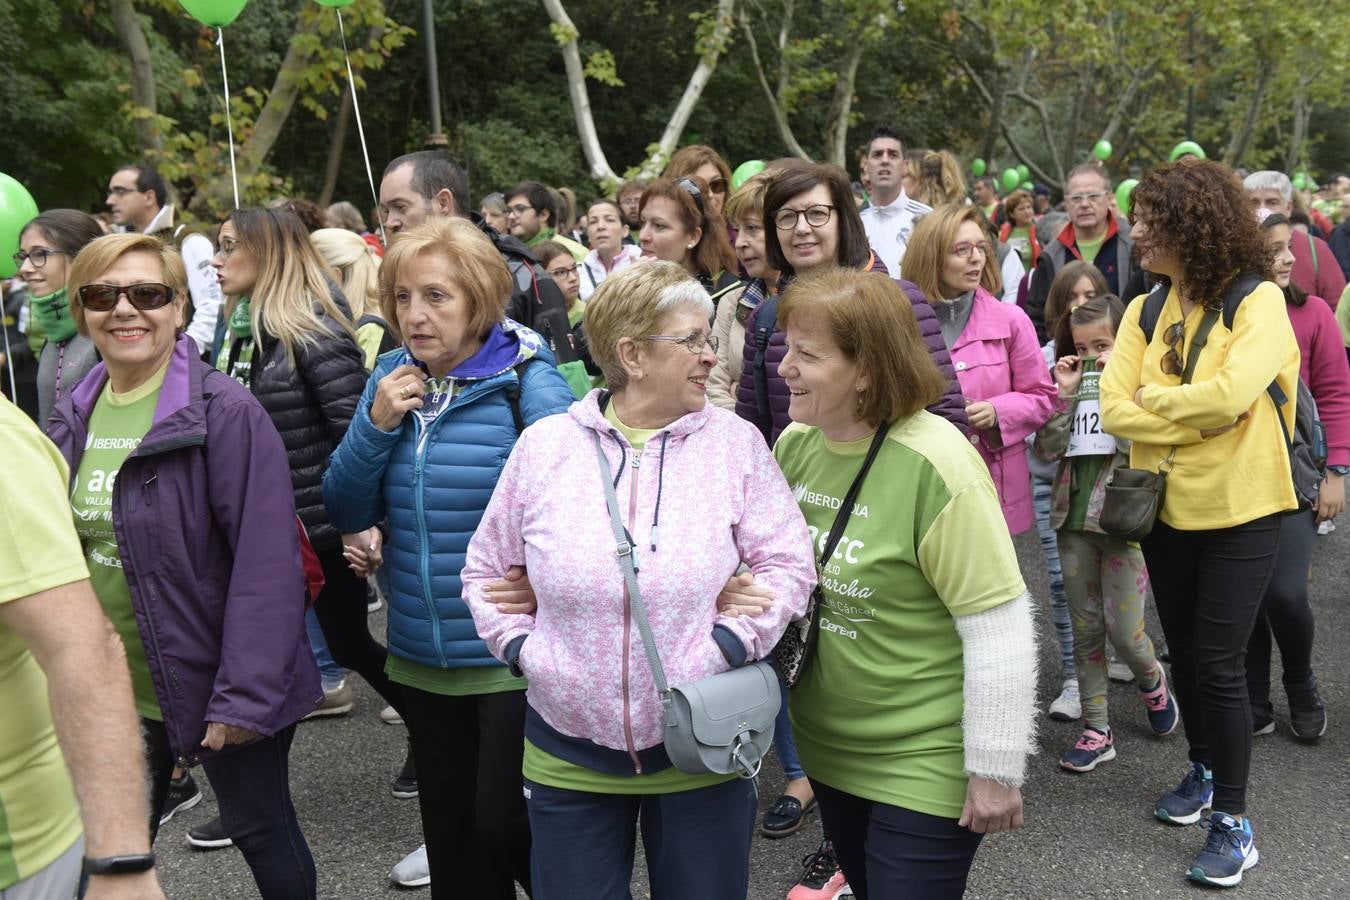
1339, 470
119, 865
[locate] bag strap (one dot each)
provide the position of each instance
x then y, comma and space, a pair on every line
846, 507
1312, 249
624, 550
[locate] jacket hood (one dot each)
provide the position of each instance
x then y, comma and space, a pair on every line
589, 413
507, 345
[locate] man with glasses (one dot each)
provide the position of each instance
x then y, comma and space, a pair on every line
890, 218
532, 216
137, 199
1094, 234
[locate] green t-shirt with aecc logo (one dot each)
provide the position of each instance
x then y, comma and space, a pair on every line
116, 427
878, 713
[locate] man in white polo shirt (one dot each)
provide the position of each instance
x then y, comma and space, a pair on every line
890, 219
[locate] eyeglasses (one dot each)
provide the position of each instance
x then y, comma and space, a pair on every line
144, 295
694, 342
226, 247
1080, 199
560, 271
816, 216
964, 249
718, 185
119, 191
38, 257
519, 209
1171, 361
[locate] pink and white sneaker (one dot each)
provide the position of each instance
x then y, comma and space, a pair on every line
1095, 746
823, 879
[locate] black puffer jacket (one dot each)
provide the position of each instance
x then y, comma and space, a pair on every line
311, 405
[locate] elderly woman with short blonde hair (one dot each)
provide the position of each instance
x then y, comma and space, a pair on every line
429, 438
701, 494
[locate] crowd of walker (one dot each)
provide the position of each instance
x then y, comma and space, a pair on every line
797, 400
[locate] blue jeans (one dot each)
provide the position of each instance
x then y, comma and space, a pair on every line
783, 744
889, 851
252, 785
1059, 603
697, 842
329, 671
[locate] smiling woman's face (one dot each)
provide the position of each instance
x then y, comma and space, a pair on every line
805, 245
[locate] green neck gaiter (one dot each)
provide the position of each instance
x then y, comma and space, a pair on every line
241, 319
53, 314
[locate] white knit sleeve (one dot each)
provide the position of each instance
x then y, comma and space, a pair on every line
999, 724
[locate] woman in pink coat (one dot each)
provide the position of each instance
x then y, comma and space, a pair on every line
1002, 372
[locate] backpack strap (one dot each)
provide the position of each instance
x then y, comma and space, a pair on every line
1152, 311
1198, 343
1312, 249
513, 394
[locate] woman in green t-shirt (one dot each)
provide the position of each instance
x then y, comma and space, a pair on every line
916, 717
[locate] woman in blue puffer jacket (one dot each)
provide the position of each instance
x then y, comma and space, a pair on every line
431, 433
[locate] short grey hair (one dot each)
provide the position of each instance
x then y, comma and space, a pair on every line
632, 303
1267, 179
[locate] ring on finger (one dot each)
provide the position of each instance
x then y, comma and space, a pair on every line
403, 392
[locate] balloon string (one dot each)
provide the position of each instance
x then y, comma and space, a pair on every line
229, 121
9, 356
360, 129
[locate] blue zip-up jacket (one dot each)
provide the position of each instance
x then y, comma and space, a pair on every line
434, 483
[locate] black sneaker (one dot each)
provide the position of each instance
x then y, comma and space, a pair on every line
183, 794
822, 879
405, 785
209, 836
1307, 714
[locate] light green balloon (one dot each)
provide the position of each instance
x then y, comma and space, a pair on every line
215, 13
1011, 179
745, 171
1187, 148
1124, 192
978, 167
17, 209
1102, 150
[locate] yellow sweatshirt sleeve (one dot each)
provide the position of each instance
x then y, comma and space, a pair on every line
1121, 416
1261, 323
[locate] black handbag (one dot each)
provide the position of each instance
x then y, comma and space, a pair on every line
1134, 497
797, 647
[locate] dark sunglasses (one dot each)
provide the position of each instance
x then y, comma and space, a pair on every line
143, 296
718, 185
1171, 361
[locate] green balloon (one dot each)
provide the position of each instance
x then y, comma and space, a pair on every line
1023, 173
1102, 150
977, 166
745, 171
1028, 186
1011, 179
335, 3
1300, 182
17, 209
215, 13
1186, 148
1123, 193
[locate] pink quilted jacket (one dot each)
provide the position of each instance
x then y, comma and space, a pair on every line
706, 493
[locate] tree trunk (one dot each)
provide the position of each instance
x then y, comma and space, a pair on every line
1300, 135
780, 118
580, 97
267, 128
335, 148
726, 12
837, 145
128, 27
1242, 137
996, 98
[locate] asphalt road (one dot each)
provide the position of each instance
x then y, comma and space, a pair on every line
1086, 836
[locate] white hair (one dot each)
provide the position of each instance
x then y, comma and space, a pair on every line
687, 294
1266, 180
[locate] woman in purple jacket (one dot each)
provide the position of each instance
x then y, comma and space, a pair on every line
810, 220
181, 495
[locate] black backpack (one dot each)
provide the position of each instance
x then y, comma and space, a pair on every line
1308, 444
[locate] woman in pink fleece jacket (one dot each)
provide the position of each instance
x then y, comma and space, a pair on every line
1286, 610
701, 494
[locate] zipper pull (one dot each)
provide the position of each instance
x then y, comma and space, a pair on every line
637, 458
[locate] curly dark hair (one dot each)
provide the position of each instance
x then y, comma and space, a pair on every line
1196, 210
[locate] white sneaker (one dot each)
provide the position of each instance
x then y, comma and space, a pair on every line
1118, 671
413, 870
1326, 527
390, 716
1067, 707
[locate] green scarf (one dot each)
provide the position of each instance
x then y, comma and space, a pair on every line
236, 360
52, 313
